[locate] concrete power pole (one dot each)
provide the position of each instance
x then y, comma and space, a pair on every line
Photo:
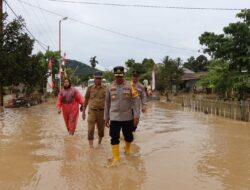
1, 43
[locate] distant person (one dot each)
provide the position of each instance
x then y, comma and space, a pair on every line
145, 83
120, 100
68, 101
149, 90
95, 99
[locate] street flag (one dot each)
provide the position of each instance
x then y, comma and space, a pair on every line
49, 86
64, 63
60, 70
50, 64
64, 59
153, 79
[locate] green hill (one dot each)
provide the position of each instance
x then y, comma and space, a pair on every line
81, 69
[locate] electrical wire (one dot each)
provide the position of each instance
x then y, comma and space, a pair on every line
146, 6
109, 30
40, 43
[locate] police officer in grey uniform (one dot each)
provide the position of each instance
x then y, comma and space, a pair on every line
141, 91
121, 98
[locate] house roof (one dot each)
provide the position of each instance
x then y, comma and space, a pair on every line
188, 74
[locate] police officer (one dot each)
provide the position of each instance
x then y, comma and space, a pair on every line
121, 98
95, 98
140, 90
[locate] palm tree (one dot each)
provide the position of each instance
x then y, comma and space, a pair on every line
93, 61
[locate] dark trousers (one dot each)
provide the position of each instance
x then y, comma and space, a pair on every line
115, 128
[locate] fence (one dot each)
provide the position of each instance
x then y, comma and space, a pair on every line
233, 110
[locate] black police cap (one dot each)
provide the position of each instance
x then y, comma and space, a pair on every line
98, 74
119, 71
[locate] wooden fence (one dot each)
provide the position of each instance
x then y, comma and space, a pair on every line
233, 110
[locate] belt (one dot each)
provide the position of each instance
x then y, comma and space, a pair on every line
97, 109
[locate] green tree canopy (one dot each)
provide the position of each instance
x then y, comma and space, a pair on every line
93, 61
197, 64
169, 73
233, 45
15, 53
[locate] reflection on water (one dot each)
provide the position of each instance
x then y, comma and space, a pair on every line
226, 155
173, 148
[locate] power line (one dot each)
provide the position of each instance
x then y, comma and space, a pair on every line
35, 19
31, 17
51, 36
109, 30
40, 23
40, 43
145, 6
50, 28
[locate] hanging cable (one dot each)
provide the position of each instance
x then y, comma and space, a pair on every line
146, 6
109, 30
40, 43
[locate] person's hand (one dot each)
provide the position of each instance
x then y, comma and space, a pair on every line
136, 121
83, 115
81, 108
143, 109
106, 123
59, 110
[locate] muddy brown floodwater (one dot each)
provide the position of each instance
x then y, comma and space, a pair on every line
173, 149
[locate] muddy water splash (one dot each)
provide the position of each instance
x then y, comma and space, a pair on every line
173, 149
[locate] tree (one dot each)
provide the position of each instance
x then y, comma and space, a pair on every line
145, 68
129, 63
197, 64
15, 52
148, 64
108, 75
34, 75
93, 61
232, 48
218, 78
43, 60
233, 45
169, 74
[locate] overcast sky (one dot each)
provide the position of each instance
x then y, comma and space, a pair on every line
170, 27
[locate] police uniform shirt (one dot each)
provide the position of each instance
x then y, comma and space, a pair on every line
119, 103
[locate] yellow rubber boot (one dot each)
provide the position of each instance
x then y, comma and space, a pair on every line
127, 148
116, 154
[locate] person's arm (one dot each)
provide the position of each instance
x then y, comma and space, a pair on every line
107, 108
85, 104
144, 100
79, 98
59, 102
136, 109
135, 104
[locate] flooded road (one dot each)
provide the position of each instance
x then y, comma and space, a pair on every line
173, 149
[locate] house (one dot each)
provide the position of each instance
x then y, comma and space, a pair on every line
188, 80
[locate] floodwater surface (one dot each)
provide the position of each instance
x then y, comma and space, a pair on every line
173, 149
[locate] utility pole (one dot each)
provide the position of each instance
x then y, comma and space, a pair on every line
60, 61
1, 43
